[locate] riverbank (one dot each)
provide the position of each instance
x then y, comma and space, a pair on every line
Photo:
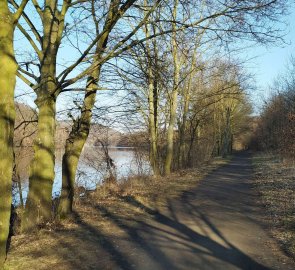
275, 181
89, 240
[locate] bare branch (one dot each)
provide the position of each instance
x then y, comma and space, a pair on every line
28, 73
31, 41
38, 8
20, 10
26, 81
29, 22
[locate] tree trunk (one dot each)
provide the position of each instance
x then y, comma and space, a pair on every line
227, 135
8, 68
153, 126
74, 147
193, 137
183, 127
170, 134
39, 202
152, 99
186, 103
173, 98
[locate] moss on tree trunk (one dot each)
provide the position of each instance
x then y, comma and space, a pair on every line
8, 68
39, 201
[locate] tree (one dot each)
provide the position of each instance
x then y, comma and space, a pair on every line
81, 126
39, 201
8, 71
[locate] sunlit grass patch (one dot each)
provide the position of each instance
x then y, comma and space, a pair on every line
275, 181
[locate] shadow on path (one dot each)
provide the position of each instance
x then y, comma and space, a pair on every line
216, 225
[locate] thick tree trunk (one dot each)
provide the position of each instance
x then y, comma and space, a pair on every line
8, 68
39, 202
70, 159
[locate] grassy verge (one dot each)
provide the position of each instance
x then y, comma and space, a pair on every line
275, 181
90, 239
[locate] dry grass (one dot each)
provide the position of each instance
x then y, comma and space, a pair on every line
275, 180
89, 240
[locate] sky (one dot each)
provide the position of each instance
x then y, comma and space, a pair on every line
266, 63
269, 62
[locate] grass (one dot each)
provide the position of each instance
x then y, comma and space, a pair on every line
275, 181
102, 219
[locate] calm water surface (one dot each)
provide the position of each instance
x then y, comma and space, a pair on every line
92, 169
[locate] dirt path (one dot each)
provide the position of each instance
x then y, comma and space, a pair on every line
218, 225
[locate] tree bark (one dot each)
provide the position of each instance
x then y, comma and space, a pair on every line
7, 116
153, 130
39, 201
152, 102
173, 98
183, 127
8, 69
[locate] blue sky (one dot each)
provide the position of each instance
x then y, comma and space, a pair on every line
270, 61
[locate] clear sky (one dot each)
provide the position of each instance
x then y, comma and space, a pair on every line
271, 61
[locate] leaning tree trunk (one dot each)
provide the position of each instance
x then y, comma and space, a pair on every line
74, 146
8, 68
